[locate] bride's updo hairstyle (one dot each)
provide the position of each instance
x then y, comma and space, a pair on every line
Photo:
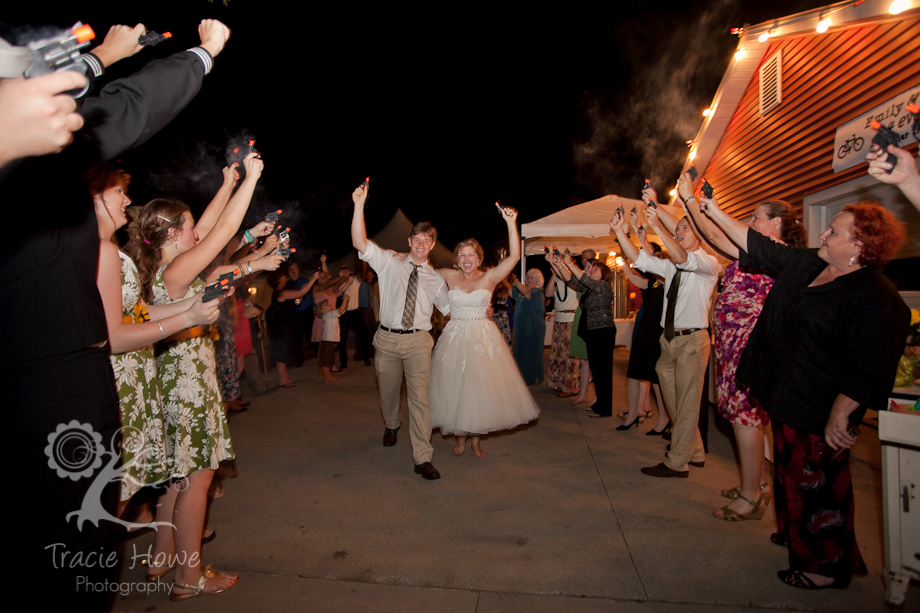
158, 218
469, 242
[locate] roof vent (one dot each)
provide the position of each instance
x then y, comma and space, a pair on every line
771, 80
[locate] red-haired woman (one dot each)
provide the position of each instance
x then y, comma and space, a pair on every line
171, 251
824, 349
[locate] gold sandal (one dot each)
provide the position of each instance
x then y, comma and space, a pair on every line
736, 491
732, 515
207, 572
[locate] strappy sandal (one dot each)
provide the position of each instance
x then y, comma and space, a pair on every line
736, 491
728, 514
207, 572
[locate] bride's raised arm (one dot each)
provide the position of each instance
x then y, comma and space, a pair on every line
506, 266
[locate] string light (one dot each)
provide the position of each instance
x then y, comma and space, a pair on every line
898, 6
823, 24
739, 54
707, 112
673, 192
692, 154
763, 37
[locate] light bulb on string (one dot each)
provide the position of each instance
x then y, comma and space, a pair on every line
898, 6
823, 24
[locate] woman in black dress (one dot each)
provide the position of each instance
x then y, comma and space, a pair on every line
824, 349
646, 347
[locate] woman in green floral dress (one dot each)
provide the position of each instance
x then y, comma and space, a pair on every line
171, 251
131, 332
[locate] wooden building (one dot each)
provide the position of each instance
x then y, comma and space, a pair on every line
790, 118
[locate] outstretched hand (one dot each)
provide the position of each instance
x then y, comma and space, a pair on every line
618, 221
263, 228
508, 213
878, 167
37, 116
651, 214
359, 196
231, 174
214, 36
650, 196
685, 187
254, 166
120, 42
204, 312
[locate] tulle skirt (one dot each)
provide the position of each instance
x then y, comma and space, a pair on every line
476, 386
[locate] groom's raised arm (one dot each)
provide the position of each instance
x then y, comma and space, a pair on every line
441, 301
358, 229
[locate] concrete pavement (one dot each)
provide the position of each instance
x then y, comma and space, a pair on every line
557, 517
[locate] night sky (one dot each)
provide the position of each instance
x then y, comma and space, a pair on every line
447, 107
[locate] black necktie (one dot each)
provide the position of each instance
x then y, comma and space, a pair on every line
672, 304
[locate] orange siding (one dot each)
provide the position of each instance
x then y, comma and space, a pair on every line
827, 80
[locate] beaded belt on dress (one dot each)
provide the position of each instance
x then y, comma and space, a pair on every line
468, 318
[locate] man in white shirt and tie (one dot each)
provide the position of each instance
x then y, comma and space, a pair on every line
409, 290
689, 284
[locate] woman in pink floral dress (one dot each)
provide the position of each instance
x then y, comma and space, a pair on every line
735, 314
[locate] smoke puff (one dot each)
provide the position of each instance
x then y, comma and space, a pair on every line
663, 111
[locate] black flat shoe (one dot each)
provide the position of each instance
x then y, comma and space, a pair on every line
427, 471
798, 579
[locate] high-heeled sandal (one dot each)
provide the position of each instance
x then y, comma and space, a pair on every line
736, 491
759, 506
634, 422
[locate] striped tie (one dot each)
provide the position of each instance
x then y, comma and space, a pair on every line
409, 310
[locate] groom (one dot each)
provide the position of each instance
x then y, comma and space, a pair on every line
409, 289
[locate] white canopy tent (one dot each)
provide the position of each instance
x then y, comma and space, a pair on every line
580, 227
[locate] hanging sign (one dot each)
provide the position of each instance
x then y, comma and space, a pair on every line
853, 140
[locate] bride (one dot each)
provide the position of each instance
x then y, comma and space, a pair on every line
476, 386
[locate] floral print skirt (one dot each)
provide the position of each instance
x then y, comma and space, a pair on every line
197, 435
563, 371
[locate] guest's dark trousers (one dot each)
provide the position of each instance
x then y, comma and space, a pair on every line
600, 343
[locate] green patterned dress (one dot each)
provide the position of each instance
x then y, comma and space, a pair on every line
143, 446
197, 435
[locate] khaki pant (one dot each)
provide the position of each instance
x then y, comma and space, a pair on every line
409, 354
680, 369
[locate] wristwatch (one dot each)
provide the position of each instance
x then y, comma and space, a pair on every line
249, 267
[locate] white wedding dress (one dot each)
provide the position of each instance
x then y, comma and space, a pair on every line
476, 386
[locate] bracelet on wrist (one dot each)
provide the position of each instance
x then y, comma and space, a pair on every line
249, 267
248, 236
161, 328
